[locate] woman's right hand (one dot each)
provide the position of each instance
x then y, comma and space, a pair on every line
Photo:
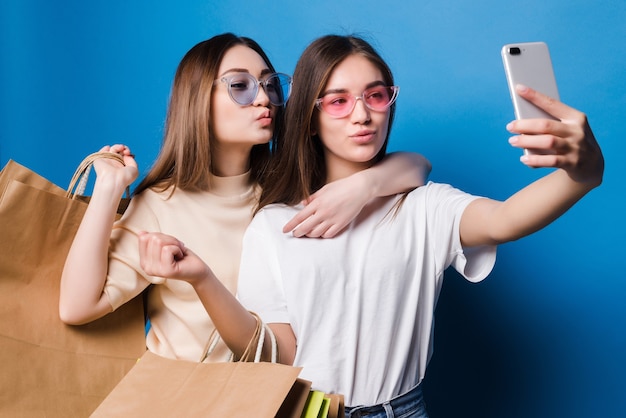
121, 175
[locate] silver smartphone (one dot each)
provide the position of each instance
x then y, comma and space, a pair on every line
529, 63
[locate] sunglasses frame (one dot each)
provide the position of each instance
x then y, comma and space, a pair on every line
228, 79
394, 96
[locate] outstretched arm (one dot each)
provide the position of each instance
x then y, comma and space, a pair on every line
567, 144
165, 256
81, 295
336, 204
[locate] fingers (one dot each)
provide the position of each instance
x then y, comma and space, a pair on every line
552, 106
300, 217
126, 172
538, 144
312, 229
310, 221
313, 226
159, 254
120, 149
549, 104
547, 150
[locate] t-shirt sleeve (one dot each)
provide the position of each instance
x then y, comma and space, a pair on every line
473, 263
125, 277
260, 287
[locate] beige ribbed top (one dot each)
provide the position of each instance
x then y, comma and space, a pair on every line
211, 224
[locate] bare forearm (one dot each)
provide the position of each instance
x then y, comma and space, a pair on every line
81, 298
527, 211
399, 172
234, 323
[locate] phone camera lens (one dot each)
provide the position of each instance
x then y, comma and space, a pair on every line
515, 51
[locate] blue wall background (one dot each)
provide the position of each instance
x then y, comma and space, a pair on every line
545, 334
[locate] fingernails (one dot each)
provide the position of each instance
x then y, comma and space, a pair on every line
521, 88
513, 140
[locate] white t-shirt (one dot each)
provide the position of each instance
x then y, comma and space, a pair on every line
361, 304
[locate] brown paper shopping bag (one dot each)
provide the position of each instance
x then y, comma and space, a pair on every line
160, 387
47, 368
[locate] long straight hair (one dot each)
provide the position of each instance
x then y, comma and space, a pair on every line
298, 167
185, 157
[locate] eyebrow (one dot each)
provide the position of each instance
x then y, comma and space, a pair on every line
244, 70
368, 86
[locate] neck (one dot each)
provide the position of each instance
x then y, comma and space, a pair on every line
230, 160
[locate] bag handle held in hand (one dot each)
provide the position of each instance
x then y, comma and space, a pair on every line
79, 179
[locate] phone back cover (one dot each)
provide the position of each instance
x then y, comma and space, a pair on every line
533, 68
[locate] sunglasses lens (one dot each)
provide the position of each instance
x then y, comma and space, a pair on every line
378, 98
243, 89
278, 88
337, 105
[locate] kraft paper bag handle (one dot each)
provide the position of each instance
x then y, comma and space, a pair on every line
259, 339
256, 344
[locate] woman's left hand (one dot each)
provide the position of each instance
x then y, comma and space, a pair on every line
164, 256
329, 210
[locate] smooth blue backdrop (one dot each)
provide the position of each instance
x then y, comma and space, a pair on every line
545, 334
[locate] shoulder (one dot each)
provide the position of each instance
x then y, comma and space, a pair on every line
277, 210
151, 204
434, 187
432, 190
439, 195
152, 195
273, 217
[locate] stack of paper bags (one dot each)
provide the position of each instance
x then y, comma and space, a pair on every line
323, 405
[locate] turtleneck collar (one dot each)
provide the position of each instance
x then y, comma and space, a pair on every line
231, 185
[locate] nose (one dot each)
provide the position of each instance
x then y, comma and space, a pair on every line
360, 113
262, 99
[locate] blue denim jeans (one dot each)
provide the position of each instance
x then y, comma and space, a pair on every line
408, 405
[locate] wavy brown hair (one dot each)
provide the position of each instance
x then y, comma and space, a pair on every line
185, 157
298, 167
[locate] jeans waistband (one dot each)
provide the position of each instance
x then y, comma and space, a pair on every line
391, 408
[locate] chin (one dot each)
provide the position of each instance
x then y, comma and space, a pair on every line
261, 141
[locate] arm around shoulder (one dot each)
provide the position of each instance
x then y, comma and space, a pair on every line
329, 210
